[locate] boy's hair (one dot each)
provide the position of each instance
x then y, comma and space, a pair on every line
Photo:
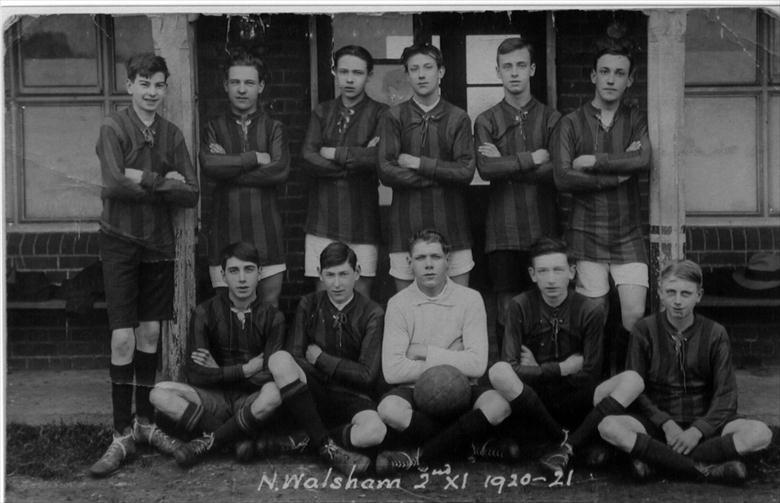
425, 48
336, 254
429, 236
358, 52
145, 64
617, 47
548, 246
512, 44
687, 270
242, 57
242, 251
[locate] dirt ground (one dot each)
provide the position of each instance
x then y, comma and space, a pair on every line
154, 478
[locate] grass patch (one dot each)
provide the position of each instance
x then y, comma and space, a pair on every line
53, 451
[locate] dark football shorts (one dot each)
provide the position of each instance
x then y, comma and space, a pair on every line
223, 403
658, 433
138, 282
335, 403
509, 271
566, 404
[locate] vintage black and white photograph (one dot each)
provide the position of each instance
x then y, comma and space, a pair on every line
411, 253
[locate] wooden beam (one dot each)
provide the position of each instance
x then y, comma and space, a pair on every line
665, 117
173, 38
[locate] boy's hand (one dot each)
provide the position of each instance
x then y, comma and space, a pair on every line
263, 158
373, 143
540, 156
216, 148
584, 162
174, 175
134, 174
635, 145
672, 430
527, 357
202, 357
417, 351
686, 441
328, 153
253, 366
571, 365
488, 150
313, 352
409, 161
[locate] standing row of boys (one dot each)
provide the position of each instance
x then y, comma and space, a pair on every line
244, 380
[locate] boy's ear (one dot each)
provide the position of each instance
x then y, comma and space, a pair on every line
128, 84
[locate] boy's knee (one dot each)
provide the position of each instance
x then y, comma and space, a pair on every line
390, 411
633, 381
493, 406
372, 429
280, 362
123, 343
500, 373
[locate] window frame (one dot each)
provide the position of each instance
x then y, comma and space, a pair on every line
763, 89
18, 96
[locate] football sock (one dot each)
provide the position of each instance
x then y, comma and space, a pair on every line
343, 435
297, 398
470, 426
122, 395
654, 452
242, 422
145, 372
195, 417
528, 405
608, 406
716, 450
421, 428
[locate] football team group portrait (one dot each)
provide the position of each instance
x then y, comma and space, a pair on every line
462, 245
375, 390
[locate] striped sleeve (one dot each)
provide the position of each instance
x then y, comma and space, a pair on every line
461, 168
112, 166
277, 171
315, 165
390, 173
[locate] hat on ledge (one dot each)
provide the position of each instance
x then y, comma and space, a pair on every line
762, 272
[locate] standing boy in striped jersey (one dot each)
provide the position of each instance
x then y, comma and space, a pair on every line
245, 153
340, 154
426, 154
146, 170
512, 139
599, 151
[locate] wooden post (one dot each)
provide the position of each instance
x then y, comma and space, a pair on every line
173, 40
665, 108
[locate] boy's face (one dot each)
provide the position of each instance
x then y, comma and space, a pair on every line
679, 297
515, 70
424, 75
552, 274
147, 92
611, 77
339, 281
429, 266
243, 87
241, 278
351, 76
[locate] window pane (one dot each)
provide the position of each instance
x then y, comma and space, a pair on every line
389, 84
773, 170
720, 46
378, 34
719, 155
59, 51
132, 35
481, 58
61, 171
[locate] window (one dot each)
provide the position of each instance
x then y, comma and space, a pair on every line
731, 156
63, 74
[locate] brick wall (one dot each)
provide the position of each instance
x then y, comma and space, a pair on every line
61, 255
729, 247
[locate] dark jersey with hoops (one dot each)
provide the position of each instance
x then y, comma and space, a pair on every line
433, 196
522, 205
343, 201
604, 220
244, 202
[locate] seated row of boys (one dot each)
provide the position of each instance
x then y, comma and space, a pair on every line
241, 379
